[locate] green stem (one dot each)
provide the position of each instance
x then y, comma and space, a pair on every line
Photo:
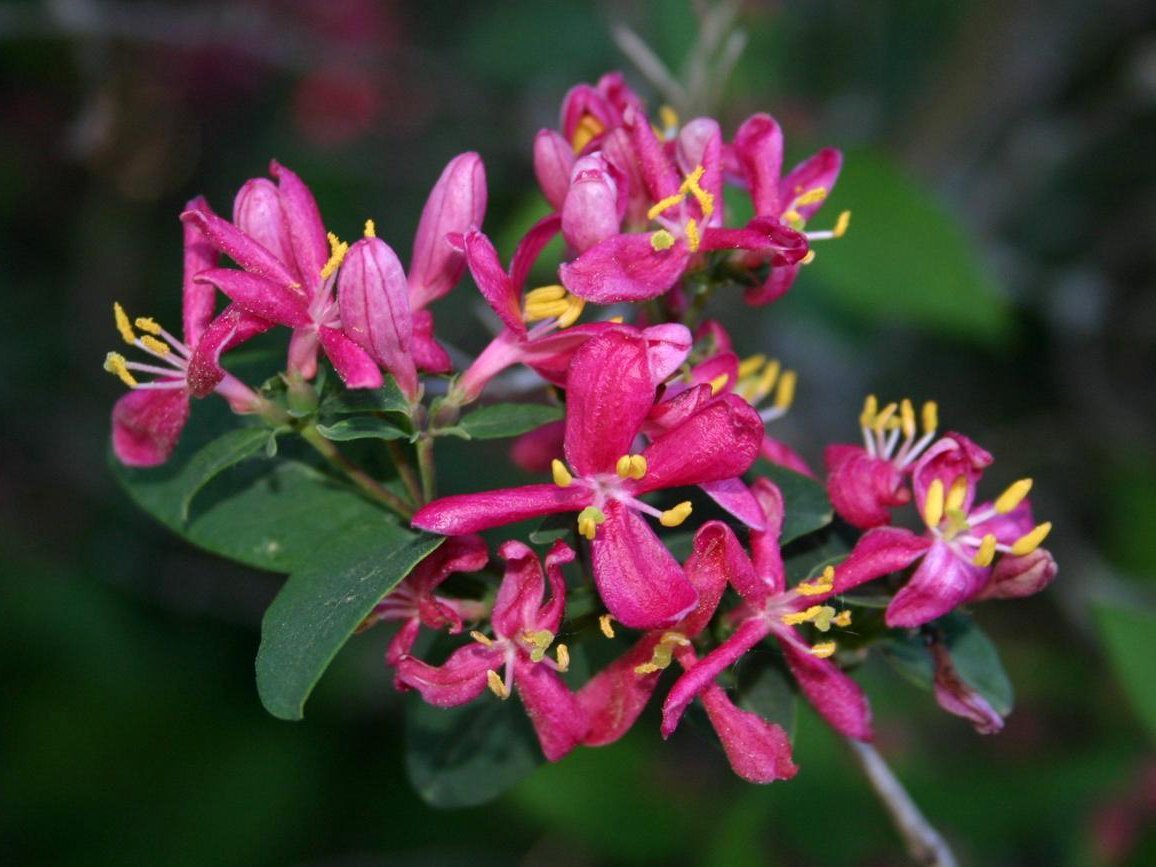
425, 465
365, 483
405, 470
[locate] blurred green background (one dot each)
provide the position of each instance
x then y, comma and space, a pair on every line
1002, 260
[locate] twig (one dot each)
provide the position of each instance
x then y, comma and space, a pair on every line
404, 470
924, 844
425, 465
367, 484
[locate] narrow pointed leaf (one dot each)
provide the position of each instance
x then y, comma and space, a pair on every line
507, 420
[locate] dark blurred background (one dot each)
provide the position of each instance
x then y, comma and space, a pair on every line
1002, 260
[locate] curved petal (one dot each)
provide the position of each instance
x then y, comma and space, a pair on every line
492, 280
303, 220
716, 558
949, 458
863, 488
590, 211
469, 513
658, 172
352, 363
521, 592
818, 170
457, 203
197, 299
764, 237
758, 145
639, 580
779, 280
667, 347
402, 642
699, 143
837, 698
955, 695
460, 679
455, 554
781, 454
535, 451
1015, 577
624, 268
736, 498
765, 550
878, 552
942, 581
146, 425
758, 751
239, 247
553, 159
609, 392
613, 699
530, 248
552, 708
427, 353
259, 296
258, 212
231, 328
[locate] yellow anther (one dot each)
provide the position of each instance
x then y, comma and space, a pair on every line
123, 325
538, 641
884, 417
824, 618
497, 686
930, 416
157, 346
337, 251
617, 320
562, 652
114, 363
662, 240
481, 638
370, 229
986, 552
673, 517
604, 624
553, 292
794, 219
574, 308
692, 185
811, 197
588, 127
631, 467
870, 410
663, 653
1013, 496
956, 495
1029, 542
662, 204
843, 619
785, 395
767, 380
147, 325
588, 521
693, 238
668, 117
562, 477
825, 583
750, 365
717, 384
808, 259
842, 224
824, 649
933, 504
907, 417
795, 618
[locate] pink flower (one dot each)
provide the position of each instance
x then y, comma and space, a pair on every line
957, 554
789, 201
416, 603
610, 390
147, 422
771, 609
524, 625
759, 751
957, 697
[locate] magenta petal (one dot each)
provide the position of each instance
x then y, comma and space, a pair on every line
955, 696
781, 454
402, 642
1006, 528
521, 592
469, 513
778, 281
460, 679
624, 268
716, 559
239, 247
457, 203
702, 674
948, 458
427, 353
609, 393
258, 212
758, 751
657, 170
455, 554
259, 296
1015, 577
590, 211
720, 441
942, 581
146, 425
759, 147
534, 452
352, 363
530, 248
231, 328
198, 299
735, 497
820, 170
765, 550
613, 699
667, 347
878, 552
553, 709
863, 488
303, 220
303, 346
553, 158
639, 580
492, 280
836, 697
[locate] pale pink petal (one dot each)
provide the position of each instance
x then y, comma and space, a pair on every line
553, 159
303, 220
461, 679
303, 347
667, 347
457, 203
950, 457
352, 363
590, 212
943, 581
470, 513
699, 143
624, 268
758, 146
837, 698
1006, 528
258, 212
259, 296
198, 299
758, 751
552, 708
735, 498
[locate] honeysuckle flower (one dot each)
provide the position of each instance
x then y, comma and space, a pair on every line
610, 390
685, 210
289, 269
758, 750
866, 482
790, 200
770, 608
957, 554
525, 624
147, 422
416, 603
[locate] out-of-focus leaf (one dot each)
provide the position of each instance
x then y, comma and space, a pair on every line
766, 690
1129, 636
469, 755
905, 258
506, 420
362, 427
809, 555
324, 600
343, 401
553, 528
804, 500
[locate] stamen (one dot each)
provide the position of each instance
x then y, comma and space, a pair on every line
574, 308
539, 641
693, 238
808, 259
663, 653
114, 363
843, 620
497, 687
930, 417
824, 618
870, 410
1030, 541
588, 521
767, 380
562, 476
668, 117
883, 419
562, 652
631, 467
123, 325
785, 395
812, 196
933, 504
149, 326
604, 624
986, 552
794, 219
157, 346
482, 638
907, 418
370, 229
751, 364
825, 583
588, 127
661, 240
956, 495
673, 517
337, 251
717, 384
662, 204
842, 224
795, 618
1013, 496
692, 185
824, 649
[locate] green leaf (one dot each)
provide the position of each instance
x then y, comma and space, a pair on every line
360, 428
553, 528
809, 555
465, 756
507, 420
342, 401
1129, 636
168, 491
766, 690
328, 595
905, 257
804, 500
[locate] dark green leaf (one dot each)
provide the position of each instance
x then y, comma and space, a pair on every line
325, 598
1129, 636
809, 555
804, 500
465, 756
388, 398
766, 690
360, 428
507, 420
552, 529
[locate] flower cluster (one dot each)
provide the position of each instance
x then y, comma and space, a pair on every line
663, 421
